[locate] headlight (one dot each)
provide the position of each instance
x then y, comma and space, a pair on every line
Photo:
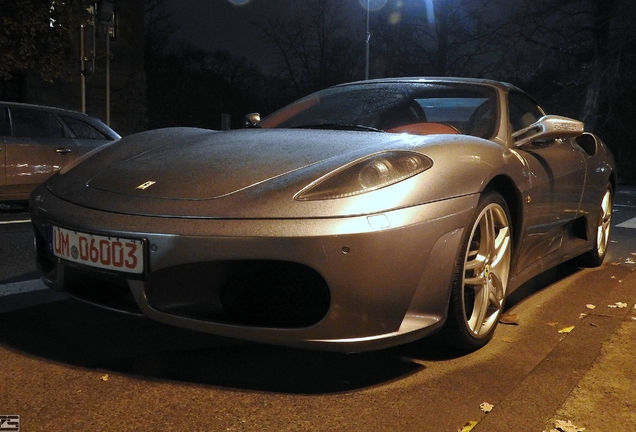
366, 175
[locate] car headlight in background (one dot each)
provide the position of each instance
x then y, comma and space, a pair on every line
366, 175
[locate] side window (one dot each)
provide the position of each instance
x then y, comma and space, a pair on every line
35, 124
83, 130
523, 111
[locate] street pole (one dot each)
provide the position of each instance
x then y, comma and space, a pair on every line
82, 70
366, 68
108, 75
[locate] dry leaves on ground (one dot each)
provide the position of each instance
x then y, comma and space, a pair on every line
468, 426
486, 407
563, 426
509, 319
566, 330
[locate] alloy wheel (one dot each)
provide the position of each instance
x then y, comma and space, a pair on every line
486, 270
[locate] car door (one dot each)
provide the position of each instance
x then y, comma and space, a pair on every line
38, 147
556, 172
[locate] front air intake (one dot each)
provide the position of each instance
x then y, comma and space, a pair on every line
258, 293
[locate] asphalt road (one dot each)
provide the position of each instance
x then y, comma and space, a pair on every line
66, 366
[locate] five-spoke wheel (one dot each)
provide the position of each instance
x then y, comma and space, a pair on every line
596, 255
481, 281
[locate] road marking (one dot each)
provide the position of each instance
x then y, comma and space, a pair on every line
22, 287
628, 224
15, 221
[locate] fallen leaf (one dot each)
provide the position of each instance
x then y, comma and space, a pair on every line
583, 315
104, 377
468, 426
510, 339
566, 330
590, 306
617, 305
486, 407
630, 261
553, 324
509, 319
564, 426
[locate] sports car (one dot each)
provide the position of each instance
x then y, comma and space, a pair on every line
363, 216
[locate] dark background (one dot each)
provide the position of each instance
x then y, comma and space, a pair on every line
204, 58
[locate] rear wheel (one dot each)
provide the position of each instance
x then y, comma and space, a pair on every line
595, 257
481, 280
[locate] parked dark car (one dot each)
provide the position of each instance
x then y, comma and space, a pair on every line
36, 141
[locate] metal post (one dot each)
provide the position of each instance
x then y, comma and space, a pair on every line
105, 15
82, 69
108, 75
226, 121
366, 68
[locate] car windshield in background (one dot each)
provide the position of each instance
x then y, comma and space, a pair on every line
466, 109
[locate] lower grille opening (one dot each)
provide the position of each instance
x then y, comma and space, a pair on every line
276, 294
106, 290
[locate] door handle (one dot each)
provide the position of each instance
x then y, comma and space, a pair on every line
63, 150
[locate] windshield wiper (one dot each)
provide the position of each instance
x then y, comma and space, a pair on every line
340, 126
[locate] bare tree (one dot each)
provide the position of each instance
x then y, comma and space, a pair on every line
455, 37
579, 43
314, 45
158, 28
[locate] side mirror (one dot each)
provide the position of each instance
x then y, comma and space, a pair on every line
549, 127
250, 120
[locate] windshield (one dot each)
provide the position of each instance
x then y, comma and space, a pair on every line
395, 107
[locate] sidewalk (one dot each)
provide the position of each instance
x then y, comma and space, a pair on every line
605, 398
591, 391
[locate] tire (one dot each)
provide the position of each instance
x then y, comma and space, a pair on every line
482, 272
596, 255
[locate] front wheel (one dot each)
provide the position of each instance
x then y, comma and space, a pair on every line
595, 257
481, 279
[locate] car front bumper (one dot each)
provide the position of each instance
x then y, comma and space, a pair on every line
387, 276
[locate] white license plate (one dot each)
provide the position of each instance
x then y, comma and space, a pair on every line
112, 253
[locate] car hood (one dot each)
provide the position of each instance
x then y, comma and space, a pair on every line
253, 173
214, 165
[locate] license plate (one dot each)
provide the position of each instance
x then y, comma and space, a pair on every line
112, 253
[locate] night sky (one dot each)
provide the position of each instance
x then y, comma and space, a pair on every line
221, 24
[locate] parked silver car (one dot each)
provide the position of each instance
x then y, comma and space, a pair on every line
36, 141
363, 216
